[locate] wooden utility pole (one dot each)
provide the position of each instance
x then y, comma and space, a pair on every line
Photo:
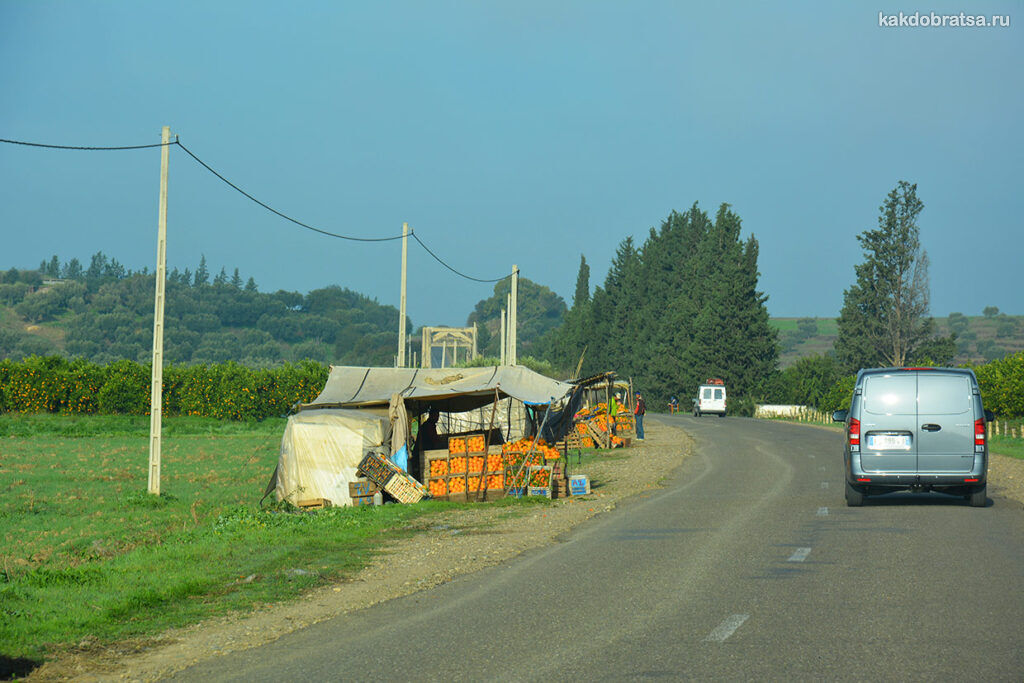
513, 317
401, 305
503, 341
157, 389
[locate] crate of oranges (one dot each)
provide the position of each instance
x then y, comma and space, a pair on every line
476, 443
456, 445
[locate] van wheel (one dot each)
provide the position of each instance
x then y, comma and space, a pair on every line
854, 498
979, 497
721, 415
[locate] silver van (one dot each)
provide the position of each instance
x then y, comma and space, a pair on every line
915, 429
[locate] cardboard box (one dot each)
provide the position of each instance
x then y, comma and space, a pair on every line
362, 488
579, 484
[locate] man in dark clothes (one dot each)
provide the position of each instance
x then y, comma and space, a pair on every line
427, 434
639, 410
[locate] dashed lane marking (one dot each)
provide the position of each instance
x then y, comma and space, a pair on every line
727, 628
822, 512
824, 484
799, 555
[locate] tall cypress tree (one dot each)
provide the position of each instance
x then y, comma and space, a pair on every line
884, 318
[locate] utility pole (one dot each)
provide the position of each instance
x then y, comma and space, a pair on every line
401, 305
513, 316
157, 389
503, 341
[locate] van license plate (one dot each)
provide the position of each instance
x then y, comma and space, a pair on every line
889, 442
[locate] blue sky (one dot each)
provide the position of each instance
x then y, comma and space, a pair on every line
512, 132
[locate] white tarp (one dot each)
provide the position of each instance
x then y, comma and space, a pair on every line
321, 450
461, 388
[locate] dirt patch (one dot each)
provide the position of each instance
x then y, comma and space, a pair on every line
447, 546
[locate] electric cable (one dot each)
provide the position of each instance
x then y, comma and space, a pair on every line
250, 197
460, 274
275, 211
86, 149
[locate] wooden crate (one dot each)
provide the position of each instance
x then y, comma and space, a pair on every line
377, 468
358, 501
543, 491
313, 504
405, 489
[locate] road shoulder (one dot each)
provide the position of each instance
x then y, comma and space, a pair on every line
451, 545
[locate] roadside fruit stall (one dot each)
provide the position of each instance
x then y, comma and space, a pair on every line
498, 458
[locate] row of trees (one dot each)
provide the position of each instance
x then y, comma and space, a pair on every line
680, 308
106, 314
226, 391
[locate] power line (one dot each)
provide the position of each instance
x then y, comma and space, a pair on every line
248, 196
278, 213
86, 149
460, 274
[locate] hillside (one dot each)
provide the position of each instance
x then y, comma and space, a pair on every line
105, 313
979, 338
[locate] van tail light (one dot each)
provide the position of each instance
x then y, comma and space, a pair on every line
854, 432
970, 481
979, 432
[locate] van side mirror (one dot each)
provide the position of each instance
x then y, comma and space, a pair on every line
989, 416
840, 415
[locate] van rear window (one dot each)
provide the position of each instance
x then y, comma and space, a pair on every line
890, 394
718, 394
944, 394
707, 393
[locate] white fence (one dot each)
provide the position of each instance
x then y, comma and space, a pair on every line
790, 412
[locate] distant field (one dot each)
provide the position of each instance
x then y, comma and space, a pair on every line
980, 340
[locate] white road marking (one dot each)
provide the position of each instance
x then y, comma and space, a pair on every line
727, 628
822, 512
799, 555
824, 484
822, 468
810, 455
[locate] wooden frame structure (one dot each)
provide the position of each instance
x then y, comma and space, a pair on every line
448, 338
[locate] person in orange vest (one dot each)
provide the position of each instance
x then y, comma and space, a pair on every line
638, 412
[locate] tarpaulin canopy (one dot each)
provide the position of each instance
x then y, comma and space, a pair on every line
457, 389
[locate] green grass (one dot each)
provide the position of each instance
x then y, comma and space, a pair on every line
36, 424
826, 326
85, 551
1007, 445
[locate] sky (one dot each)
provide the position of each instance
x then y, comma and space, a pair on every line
505, 133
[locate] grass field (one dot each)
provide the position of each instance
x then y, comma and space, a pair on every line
88, 554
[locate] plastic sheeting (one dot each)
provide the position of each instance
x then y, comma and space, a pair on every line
321, 451
461, 389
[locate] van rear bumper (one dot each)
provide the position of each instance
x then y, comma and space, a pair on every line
856, 475
917, 480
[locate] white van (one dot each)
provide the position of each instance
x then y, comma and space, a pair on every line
710, 399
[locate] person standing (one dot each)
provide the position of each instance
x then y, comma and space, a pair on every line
638, 412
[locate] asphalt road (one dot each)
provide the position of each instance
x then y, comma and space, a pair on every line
747, 565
